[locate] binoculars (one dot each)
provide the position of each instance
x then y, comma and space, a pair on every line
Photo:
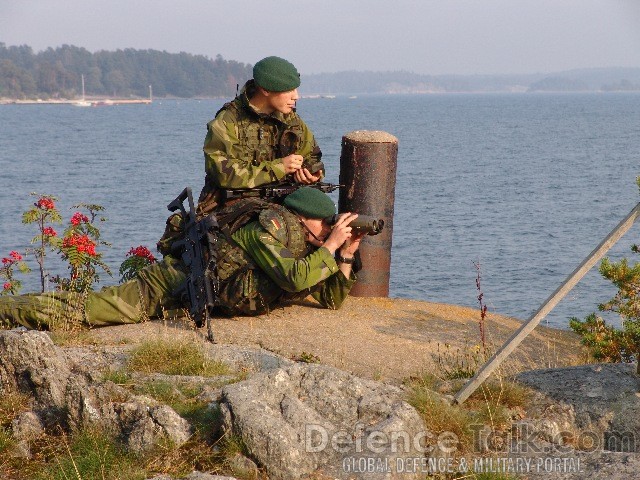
362, 224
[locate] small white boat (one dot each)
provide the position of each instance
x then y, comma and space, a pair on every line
83, 102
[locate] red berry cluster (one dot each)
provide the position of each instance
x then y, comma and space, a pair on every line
79, 218
143, 252
45, 203
82, 243
49, 232
15, 257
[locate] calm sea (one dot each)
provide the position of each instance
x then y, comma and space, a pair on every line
526, 185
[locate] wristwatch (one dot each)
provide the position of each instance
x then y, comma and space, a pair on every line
342, 259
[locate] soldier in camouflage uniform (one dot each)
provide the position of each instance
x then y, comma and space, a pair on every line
258, 138
287, 252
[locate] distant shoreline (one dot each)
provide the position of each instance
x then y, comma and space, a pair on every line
82, 103
311, 96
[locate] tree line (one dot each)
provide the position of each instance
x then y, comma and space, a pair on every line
57, 73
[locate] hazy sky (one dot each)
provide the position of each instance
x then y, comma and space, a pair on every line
428, 36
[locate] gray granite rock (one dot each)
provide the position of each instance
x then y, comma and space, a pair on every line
65, 395
309, 418
599, 402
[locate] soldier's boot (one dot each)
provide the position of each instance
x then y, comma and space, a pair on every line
40, 311
134, 301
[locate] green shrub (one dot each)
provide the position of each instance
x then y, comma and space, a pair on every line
605, 342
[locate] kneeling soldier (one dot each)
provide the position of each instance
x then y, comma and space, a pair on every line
288, 252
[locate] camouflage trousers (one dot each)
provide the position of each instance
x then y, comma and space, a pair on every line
134, 301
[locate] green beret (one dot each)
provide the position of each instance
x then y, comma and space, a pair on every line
311, 203
276, 74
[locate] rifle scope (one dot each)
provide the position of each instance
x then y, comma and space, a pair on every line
364, 223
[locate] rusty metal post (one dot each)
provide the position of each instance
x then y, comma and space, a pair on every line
368, 171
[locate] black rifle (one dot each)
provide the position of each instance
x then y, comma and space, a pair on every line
278, 190
198, 253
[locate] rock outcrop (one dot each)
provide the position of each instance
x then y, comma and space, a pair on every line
593, 407
299, 419
583, 422
66, 396
309, 418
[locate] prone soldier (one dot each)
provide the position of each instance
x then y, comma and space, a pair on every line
284, 252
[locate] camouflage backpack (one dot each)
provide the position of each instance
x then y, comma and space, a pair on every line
243, 287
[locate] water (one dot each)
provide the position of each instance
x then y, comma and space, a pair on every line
526, 185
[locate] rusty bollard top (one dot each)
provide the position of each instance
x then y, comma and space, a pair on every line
370, 136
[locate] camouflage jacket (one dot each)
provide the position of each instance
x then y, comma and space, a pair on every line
242, 148
272, 262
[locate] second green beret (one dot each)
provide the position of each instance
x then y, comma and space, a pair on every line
311, 203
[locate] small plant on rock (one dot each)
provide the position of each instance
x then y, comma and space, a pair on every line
483, 307
78, 249
11, 285
43, 213
306, 357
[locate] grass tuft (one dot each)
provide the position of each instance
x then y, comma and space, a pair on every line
232, 445
7, 442
496, 401
174, 358
119, 377
495, 404
11, 405
71, 338
91, 454
440, 416
458, 363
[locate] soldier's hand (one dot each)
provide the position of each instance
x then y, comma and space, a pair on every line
351, 245
341, 232
292, 163
305, 176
